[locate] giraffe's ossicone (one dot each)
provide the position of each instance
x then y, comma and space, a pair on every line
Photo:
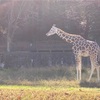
81, 48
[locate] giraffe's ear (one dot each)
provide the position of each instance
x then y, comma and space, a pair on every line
54, 25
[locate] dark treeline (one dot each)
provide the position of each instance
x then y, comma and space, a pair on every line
31, 19
24, 23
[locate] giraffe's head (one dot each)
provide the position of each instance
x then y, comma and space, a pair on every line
52, 31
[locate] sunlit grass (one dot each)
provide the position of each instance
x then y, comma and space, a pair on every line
48, 93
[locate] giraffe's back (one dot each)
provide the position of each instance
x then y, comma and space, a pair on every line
85, 48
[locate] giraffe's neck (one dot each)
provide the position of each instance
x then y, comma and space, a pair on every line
70, 38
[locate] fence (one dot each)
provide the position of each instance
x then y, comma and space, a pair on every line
37, 58
43, 53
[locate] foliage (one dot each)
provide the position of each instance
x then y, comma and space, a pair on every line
46, 76
32, 18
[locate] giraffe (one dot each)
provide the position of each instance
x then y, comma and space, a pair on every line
81, 48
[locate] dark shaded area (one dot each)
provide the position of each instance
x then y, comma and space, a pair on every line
38, 59
90, 84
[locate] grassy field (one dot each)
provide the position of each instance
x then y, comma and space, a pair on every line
55, 83
48, 93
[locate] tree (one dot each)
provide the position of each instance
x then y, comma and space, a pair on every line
20, 13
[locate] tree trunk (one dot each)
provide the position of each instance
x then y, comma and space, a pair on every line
8, 42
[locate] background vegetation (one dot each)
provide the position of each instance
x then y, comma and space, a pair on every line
47, 76
24, 23
29, 20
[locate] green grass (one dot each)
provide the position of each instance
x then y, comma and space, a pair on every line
37, 76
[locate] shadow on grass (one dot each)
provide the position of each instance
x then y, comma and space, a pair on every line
90, 84
2, 82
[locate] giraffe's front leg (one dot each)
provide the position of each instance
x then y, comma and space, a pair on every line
78, 68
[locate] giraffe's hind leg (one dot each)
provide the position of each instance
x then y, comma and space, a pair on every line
92, 70
98, 73
94, 65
